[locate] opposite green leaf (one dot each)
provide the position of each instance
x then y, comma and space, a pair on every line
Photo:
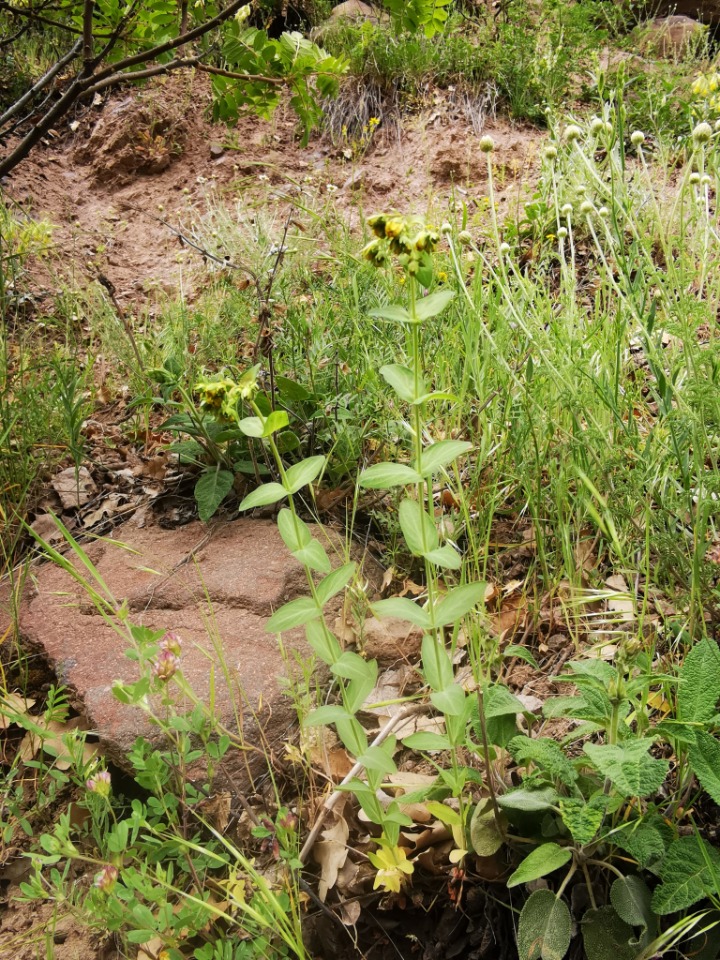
294, 531
545, 928
434, 304
442, 454
446, 557
324, 643
459, 602
541, 862
402, 380
263, 496
303, 473
392, 312
335, 582
426, 741
403, 609
293, 614
418, 529
437, 665
314, 556
323, 716
384, 476
275, 421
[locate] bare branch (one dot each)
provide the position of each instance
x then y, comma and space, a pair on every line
41, 84
130, 76
37, 17
206, 68
178, 41
88, 42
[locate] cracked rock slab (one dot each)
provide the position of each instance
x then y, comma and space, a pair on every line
215, 588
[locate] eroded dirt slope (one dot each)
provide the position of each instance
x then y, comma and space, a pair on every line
151, 155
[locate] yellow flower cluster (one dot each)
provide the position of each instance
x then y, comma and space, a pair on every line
410, 239
222, 397
706, 87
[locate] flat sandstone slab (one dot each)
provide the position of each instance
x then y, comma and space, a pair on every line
215, 588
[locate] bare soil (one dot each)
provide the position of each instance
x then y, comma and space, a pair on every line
153, 155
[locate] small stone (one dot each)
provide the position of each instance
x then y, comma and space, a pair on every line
216, 150
672, 37
355, 181
390, 640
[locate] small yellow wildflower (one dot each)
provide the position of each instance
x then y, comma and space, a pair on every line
442, 276
373, 122
392, 867
705, 84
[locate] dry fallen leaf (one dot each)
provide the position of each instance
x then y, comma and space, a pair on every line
331, 853
11, 706
151, 950
350, 912
74, 491
622, 605
50, 739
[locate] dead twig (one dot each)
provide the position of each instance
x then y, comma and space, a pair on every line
334, 797
109, 287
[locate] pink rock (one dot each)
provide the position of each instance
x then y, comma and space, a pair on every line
215, 591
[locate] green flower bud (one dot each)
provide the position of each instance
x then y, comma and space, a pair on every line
487, 144
637, 138
702, 133
573, 132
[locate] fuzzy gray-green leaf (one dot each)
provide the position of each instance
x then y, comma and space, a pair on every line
545, 928
699, 687
606, 936
543, 860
